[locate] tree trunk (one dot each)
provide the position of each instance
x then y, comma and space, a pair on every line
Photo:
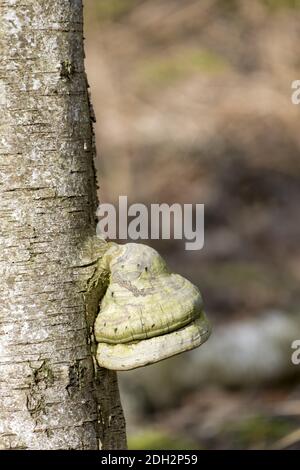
52, 396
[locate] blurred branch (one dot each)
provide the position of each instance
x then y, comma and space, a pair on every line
287, 441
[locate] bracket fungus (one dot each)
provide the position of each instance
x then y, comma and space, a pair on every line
147, 313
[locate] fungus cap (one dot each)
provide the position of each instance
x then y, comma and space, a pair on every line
147, 313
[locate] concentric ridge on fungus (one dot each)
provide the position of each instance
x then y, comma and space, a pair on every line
147, 313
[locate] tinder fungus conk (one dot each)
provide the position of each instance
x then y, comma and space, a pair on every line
147, 313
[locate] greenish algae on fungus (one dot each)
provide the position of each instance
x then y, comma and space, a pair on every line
147, 313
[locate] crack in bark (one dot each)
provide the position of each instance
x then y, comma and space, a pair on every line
42, 378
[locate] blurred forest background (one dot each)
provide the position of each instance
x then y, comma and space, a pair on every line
193, 105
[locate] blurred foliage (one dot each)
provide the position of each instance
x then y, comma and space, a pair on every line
233, 5
158, 440
247, 276
167, 70
115, 10
280, 4
257, 431
112, 10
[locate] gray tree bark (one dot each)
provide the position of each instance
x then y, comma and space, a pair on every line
52, 396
